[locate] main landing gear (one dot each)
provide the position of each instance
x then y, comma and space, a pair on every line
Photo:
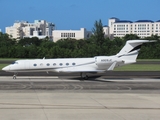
15, 75
84, 76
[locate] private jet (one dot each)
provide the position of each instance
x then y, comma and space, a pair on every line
97, 64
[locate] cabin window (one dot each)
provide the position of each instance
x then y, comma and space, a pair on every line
60, 64
54, 64
73, 63
48, 64
67, 64
34, 64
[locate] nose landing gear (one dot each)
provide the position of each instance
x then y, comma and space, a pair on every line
15, 75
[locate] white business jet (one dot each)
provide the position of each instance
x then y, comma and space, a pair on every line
97, 64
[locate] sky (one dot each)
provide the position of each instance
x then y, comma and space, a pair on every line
76, 14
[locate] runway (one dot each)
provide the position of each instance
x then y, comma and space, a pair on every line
72, 84
115, 80
66, 97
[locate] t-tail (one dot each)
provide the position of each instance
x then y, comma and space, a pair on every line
131, 49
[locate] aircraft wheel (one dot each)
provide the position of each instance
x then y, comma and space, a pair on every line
14, 76
86, 77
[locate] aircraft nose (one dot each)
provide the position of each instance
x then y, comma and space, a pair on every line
7, 68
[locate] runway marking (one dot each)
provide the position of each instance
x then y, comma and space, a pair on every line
132, 80
29, 77
129, 88
48, 78
63, 106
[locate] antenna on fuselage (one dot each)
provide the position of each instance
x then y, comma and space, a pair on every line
43, 58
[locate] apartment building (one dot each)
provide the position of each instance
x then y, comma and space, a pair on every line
74, 34
40, 29
143, 28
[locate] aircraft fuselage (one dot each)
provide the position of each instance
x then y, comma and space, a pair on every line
96, 64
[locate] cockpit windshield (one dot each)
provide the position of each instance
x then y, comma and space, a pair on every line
15, 62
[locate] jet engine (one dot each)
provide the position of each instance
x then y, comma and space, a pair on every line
105, 62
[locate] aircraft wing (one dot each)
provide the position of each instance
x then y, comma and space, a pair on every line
112, 66
85, 69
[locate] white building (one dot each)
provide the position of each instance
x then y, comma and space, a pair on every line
39, 28
106, 30
74, 34
36, 34
143, 28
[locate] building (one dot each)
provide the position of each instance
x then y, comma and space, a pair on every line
43, 29
74, 34
143, 28
40, 29
106, 31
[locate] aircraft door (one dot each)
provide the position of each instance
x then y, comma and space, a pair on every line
96, 60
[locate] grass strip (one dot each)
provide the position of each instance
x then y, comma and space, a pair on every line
139, 67
2, 65
131, 67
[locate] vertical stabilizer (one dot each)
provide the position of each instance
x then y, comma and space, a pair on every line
131, 48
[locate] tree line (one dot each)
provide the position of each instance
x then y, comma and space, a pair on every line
96, 45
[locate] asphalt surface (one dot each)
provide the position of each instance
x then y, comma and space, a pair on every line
73, 82
109, 74
113, 95
75, 85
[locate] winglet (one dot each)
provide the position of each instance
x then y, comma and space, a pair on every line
112, 66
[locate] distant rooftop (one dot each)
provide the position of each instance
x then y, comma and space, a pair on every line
128, 21
114, 18
105, 26
123, 21
144, 21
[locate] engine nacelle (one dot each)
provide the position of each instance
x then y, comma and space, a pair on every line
104, 62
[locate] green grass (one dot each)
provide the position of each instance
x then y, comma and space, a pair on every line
131, 67
2, 65
139, 67
148, 59
10, 59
